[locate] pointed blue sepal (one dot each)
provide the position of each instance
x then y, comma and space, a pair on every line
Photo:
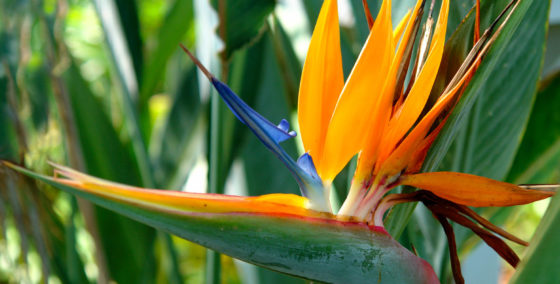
285, 126
305, 162
247, 115
271, 135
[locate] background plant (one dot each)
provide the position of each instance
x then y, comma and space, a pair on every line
103, 87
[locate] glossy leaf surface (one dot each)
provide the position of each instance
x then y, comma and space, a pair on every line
542, 257
538, 158
302, 244
240, 22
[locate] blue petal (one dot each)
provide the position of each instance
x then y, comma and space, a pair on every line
284, 125
305, 162
271, 135
251, 118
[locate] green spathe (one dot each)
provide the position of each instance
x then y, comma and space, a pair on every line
317, 249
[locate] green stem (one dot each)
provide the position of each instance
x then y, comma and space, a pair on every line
175, 272
212, 257
355, 195
213, 267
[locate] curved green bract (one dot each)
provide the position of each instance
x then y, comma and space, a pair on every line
323, 250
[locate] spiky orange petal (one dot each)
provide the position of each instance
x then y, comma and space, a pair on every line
183, 201
405, 118
321, 80
473, 190
383, 108
399, 30
352, 115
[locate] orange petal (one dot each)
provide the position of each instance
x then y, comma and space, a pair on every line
404, 153
367, 12
380, 116
418, 157
183, 201
352, 116
321, 80
473, 190
398, 32
418, 96
477, 23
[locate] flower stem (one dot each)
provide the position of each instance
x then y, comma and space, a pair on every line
357, 191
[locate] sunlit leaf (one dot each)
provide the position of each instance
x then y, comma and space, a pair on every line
240, 22
302, 242
105, 155
541, 259
176, 23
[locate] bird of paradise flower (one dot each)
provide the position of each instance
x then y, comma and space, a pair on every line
380, 113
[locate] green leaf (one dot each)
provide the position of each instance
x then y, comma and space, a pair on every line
39, 227
263, 171
269, 98
501, 93
499, 116
240, 22
8, 139
288, 63
128, 15
244, 78
104, 153
552, 56
107, 157
175, 149
177, 22
122, 62
313, 248
9, 144
538, 158
458, 11
541, 261
312, 9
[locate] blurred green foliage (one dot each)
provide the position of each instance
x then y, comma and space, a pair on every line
103, 87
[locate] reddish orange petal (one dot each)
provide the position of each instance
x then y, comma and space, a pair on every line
367, 12
380, 115
417, 159
321, 80
477, 23
405, 118
473, 190
402, 155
